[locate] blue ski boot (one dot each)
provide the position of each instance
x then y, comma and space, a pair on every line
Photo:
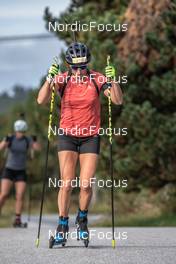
82, 229
61, 233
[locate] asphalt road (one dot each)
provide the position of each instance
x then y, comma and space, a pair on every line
133, 245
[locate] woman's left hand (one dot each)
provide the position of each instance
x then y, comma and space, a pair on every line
110, 72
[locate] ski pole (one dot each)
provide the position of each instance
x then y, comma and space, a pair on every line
29, 200
46, 163
22, 116
110, 153
30, 187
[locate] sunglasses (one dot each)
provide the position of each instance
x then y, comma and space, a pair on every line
78, 67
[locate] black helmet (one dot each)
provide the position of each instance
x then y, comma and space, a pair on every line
78, 54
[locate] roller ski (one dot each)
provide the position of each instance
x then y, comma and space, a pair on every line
82, 229
61, 233
18, 224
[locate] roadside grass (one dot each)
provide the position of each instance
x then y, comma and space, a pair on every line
148, 216
7, 214
6, 220
163, 220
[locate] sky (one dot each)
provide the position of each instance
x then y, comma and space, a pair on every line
24, 62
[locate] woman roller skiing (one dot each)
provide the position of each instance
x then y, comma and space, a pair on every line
79, 123
15, 167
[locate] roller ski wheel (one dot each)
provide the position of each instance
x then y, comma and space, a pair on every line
51, 242
55, 241
78, 237
20, 225
86, 243
82, 230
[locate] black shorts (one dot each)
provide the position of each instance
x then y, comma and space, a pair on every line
81, 145
14, 175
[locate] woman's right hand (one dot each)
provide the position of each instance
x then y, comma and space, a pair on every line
53, 71
45, 91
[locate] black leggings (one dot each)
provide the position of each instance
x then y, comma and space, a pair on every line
81, 145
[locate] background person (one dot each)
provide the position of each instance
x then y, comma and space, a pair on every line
15, 166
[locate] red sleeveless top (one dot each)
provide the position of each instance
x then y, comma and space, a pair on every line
80, 104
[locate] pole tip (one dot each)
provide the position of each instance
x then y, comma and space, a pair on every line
55, 60
37, 242
113, 243
108, 59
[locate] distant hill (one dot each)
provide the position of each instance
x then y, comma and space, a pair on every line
7, 102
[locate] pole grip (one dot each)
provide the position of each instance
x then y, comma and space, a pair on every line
108, 79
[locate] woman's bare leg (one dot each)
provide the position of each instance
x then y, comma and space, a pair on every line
20, 187
6, 186
67, 163
88, 164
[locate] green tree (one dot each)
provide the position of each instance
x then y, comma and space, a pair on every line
146, 156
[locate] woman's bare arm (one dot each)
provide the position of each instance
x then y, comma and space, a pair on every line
44, 93
116, 94
3, 144
36, 146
